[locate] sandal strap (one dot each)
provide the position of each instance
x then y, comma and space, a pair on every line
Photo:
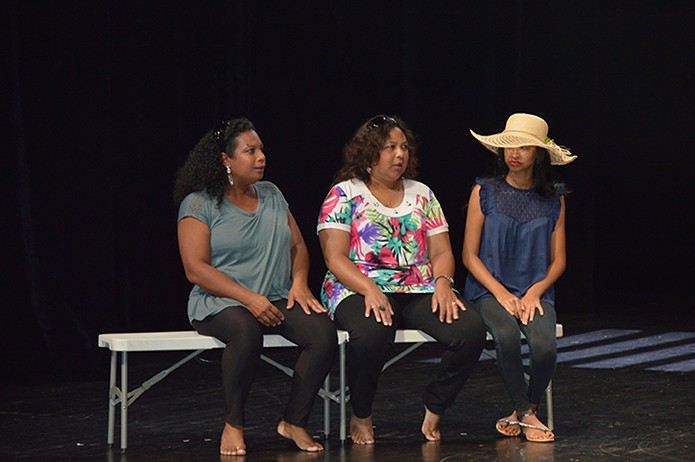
509, 422
536, 427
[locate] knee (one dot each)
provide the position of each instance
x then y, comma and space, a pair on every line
470, 332
476, 329
372, 339
324, 336
543, 349
241, 327
505, 333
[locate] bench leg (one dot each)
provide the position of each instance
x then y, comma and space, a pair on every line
549, 404
112, 399
327, 407
124, 400
343, 398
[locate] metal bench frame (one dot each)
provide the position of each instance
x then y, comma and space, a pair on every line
122, 344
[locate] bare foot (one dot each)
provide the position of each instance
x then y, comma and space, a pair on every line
299, 436
508, 426
232, 443
534, 430
361, 430
430, 426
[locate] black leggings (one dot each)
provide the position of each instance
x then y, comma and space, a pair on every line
371, 341
243, 334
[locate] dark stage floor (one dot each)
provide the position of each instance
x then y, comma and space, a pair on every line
622, 393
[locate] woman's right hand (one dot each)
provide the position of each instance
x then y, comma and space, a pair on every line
265, 312
375, 301
512, 304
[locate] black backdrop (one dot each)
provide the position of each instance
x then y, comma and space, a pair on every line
105, 98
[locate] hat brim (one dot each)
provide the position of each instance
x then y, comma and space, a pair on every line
559, 155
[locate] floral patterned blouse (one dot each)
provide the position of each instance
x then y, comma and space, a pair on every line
388, 245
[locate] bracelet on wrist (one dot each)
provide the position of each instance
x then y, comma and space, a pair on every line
447, 277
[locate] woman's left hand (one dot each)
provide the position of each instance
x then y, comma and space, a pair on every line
301, 294
445, 300
530, 303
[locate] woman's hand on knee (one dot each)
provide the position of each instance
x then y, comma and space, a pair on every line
265, 312
376, 302
302, 295
531, 302
512, 304
447, 303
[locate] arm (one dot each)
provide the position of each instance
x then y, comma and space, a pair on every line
194, 246
299, 292
335, 245
475, 219
442, 258
558, 262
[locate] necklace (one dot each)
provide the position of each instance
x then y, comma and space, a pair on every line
380, 195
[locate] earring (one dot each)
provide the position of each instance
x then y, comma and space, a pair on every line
229, 176
369, 170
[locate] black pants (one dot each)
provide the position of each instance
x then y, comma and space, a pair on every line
540, 336
370, 344
243, 334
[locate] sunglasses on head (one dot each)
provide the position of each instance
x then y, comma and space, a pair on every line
380, 120
218, 134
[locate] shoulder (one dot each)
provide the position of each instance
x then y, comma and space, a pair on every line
486, 182
267, 187
197, 200
198, 205
489, 185
417, 187
350, 188
270, 191
484, 191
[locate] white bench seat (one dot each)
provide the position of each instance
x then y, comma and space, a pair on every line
120, 344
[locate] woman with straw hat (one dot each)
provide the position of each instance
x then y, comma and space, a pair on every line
514, 250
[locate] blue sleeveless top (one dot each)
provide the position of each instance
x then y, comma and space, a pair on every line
515, 241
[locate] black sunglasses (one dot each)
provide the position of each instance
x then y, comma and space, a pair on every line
218, 134
380, 120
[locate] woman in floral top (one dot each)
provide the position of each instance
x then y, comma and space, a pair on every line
386, 243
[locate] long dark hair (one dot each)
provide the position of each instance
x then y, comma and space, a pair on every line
203, 169
362, 151
544, 182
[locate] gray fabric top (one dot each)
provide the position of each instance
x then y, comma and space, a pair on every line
251, 248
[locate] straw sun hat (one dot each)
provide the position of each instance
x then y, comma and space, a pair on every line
526, 130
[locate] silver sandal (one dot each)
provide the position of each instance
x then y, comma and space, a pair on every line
535, 427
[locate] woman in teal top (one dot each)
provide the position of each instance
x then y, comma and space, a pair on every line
514, 250
243, 250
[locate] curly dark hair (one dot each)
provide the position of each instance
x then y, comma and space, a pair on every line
544, 182
362, 151
203, 169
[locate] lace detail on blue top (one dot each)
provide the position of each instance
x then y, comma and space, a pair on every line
521, 205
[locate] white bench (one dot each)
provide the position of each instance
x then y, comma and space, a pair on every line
122, 344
